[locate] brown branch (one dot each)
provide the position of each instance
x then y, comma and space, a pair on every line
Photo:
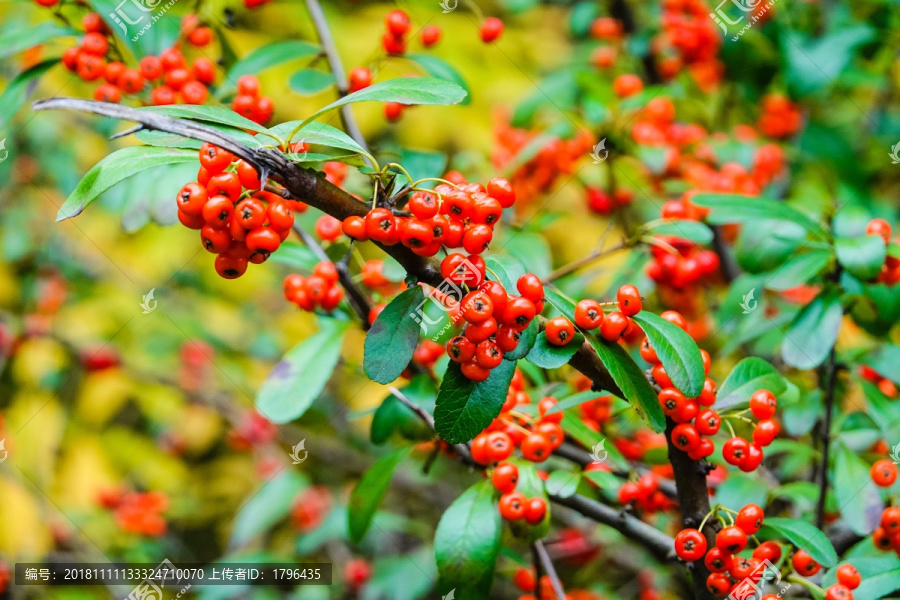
583, 262
825, 434
547, 565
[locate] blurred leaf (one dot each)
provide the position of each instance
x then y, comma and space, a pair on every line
532, 250
800, 416
392, 415
117, 167
391, 341
296, 255
437, 67
300, 377
581, 18
558, 90
463, 407
677, 351
310, 81
802, 535
369, 492
746, 377
401, 576
271, 503
562, 483
267, 56
734, 208
799, 270
18, 39
467, 543
573, 401
549, 356
694, 231
768, 245
857, 497
813, 332
655, 158
885, 360
814, 64
421, 165
862, 256
740, 489
17, 90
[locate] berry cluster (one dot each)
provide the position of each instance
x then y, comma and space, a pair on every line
748, 455
689, 39
238, 226
253, 430
137, 512
613, 326
318, 290
448, 217
687, 268
249, 103
602, 203
536, 438
514, 506
890, 270
780, 117
493, 319
644, 493
886, 536
885, 385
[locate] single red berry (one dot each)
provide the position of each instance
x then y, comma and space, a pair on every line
690, 545
359, 78
717, 561
501, 189
512, 506
535, 510
230, 268
559, 331
613, 326
838, 592
629, 299
750, 518
848, 575
765, 431
804, 564
519, 313
505, 477
884, 473
735, 450
708, 422
588, 314
535, 448
524, 579
431, 35
731, 540
684, 436
475, 372
763, 404
214, 159
460, 349
530, 286
769, 551
488, 354
397, 22
881, 228
718, 584
218, 211
491, 29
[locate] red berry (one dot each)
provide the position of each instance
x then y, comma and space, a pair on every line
690, 545
750, 518
505, 477
763, 404
629, 299
731, 540
884, 473
848, 575
359, 78
535, 448
512, 506
431, 35
535, 510
559, 331
613, 326
804, 564
735, 450
397, 22
491, 29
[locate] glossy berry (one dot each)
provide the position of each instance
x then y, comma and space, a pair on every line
629, 299
884, 473
524, 579
838, 592
535, 510
735, 450
530, 286
763, 404
505, 477
804, 564
588, 314
731, 540
397, 22
513, 506
690, 545
535, 448
491, 29
559, 331
749, 519
613, 326
848, 576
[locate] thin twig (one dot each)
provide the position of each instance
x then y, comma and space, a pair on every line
583, 262
826, 437
547, 564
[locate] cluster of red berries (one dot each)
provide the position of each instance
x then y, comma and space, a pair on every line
609, 30
687, 268
311, 507
448, 217
600, 202
253, 430
536, 438
238, 226
885, 385
137, 512
644, 493
689, 39
318, 290
555, 158
748, 455
780, 117
890, 270
250, 104
848, 579
886, 536
514, 506
494, 320
589, 315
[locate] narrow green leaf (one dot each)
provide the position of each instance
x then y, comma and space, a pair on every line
318, 133
301, 375
813, 332
885, 360
862, 256
369, 492
17, 39
391, 341
603, 479
562, 483
573, 401
207, 114
694, 231
803, 535
17, 90
268, 56
798, 270
463, 407
405, 90
549, 356
269, 505
507, 268
527, 339
734, 208
117, 167
746, 377
857, 497
310, 81
438, 67
677, 351
467, 543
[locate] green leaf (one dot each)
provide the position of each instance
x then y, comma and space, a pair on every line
857, 497
862, 256
507, 268
117, 167
207, 114
17, 39
527, 339
581, 17
301, 375
625, 372
152, 137
267, 56
392, 415
813, 332
548, 356
438, 67
318, 133
746, 377
391, 341
798, 270
885, 360
467, 543
369, 492
694, 231
677, 351
734, 208
405, 90
878, 585
768, 244
573, 401
267, 506
532, 486
463, 407
18, 89
803, 535
562, 483
310, 81
421, 164
295, 255
815, 63
603, 479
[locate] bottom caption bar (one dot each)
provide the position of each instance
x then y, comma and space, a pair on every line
168, 574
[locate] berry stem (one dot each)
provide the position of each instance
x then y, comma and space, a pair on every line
583, 262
